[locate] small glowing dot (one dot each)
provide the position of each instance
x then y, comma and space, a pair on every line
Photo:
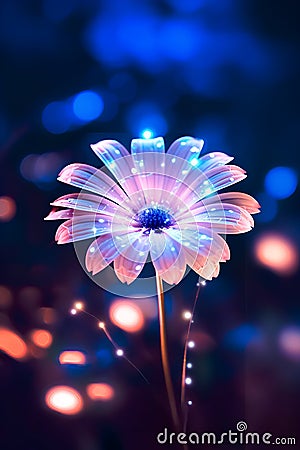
191, 344
188, 380
78, 305
120, 352
147, 134
73, 311
187, 315
138, 267
194, 162
203, 283
189, 365
190, 402
133, 170
101, 325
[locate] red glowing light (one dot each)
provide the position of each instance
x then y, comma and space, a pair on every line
72, 357
278, 253
126, 315
41, 338
7, 209
64, 400
12, 344
100, 391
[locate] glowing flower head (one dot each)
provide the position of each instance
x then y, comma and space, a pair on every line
157, 203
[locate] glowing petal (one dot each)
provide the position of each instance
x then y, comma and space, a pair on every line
187, 148
240, 199
91, 179
167, 257
130, 263
147, 145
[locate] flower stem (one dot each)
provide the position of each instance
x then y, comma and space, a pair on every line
164, 352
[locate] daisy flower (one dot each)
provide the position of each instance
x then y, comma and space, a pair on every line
154, 204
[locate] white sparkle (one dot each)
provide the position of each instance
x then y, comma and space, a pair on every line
191, 344
188, 380
138, 267
189, 365
190, 402
73, 311
92, 249
120, 352
133, 170
187, 315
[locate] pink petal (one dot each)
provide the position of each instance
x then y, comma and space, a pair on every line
206, 267
212, 181
130, 263
94, 260
86, 227
167, 257
62, 214
91, 179
109, 151
212, 160
220, 217
245, 201
202, 240
108, 247
91, 203
121, 164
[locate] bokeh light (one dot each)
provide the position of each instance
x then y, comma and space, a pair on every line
12, 344
277, 252
100, 391
281, 182
41, 338
47, 315
41, 168
7, 209
126, 315
289, 342
87, 105
240, 337
6, 297
57, 117
64, 399
72, 357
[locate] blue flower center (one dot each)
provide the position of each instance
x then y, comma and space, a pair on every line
155, 219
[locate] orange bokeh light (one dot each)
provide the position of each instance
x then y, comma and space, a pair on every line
64, 399
100, 391
278, 253
126, 315
41, 338
72, 357
7, 209
12, 344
